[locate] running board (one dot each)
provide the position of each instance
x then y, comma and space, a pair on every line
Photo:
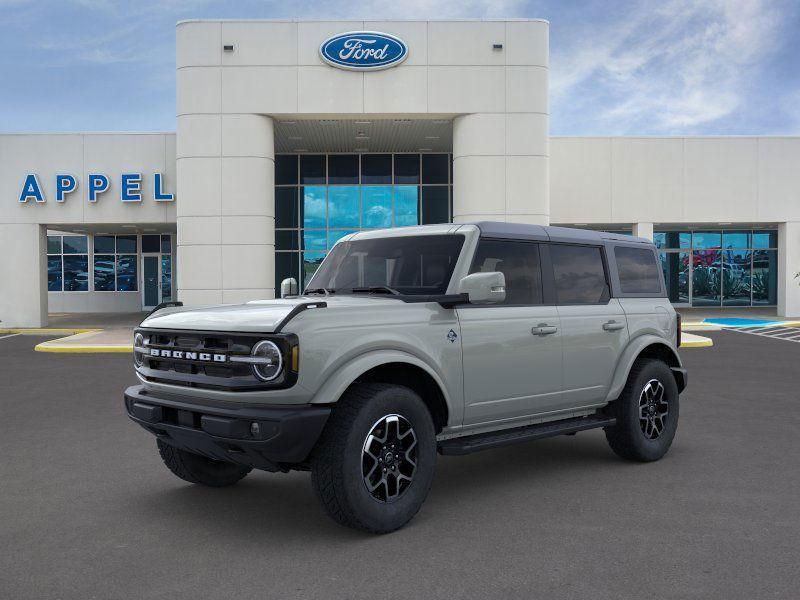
496, 439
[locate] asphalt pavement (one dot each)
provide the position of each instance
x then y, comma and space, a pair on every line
87, 510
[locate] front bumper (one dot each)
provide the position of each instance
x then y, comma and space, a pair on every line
284, 434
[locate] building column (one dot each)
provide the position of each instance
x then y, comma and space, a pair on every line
788, 266
501, 168
226, 222
643, 230
23, 273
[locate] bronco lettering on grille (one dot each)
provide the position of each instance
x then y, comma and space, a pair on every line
181, 354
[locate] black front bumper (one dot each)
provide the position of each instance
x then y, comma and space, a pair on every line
263, 437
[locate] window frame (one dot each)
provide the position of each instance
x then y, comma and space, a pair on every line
62, 254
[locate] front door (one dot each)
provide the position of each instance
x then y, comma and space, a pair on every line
511, 351
151, 288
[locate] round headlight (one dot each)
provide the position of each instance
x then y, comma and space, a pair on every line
138, 343
271, 362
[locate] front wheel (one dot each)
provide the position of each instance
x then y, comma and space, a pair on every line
374, 463
646, 412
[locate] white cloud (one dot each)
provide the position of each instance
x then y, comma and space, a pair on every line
669, 69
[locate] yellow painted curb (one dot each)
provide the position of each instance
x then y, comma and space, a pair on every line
71, 349
46, 331
703, 342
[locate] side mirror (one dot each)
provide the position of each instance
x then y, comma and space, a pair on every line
484, 288
289, 287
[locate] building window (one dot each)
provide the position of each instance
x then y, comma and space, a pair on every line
115, 263
67, 263
320, 198
720, 267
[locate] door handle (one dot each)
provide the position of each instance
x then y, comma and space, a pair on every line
543, 329
613, 326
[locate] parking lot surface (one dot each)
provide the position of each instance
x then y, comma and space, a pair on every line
89, 511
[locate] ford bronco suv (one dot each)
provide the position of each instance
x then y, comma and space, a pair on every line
451, 338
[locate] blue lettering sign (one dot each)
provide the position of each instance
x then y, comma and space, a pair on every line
31, 189
65, 184
98, 184
363, 50
158, 195
131, 188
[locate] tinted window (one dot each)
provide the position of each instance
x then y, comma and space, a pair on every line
150, 243
376, 168
343, 168
312, 168
638, 271
579, 274
518, 262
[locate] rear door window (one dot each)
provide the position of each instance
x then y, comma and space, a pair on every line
638, 270
518, 262
580, 277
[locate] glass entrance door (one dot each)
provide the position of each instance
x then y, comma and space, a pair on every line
151, 288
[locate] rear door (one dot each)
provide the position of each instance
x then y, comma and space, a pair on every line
511, 351
593, 324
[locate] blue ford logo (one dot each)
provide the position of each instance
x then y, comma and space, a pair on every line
363, 50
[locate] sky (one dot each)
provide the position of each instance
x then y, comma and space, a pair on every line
672, 67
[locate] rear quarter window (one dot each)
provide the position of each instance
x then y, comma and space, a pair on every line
638, 270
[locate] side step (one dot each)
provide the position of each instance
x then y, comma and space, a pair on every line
506, 437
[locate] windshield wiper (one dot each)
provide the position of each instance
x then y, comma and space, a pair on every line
375, 289
322, 290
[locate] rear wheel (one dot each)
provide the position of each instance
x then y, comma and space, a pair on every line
199, 469
374, 463
646, 413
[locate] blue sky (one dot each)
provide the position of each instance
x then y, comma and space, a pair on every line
617, 68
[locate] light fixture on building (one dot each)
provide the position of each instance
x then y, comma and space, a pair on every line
432, 137
426, 149
497, 46
363, 122
288, 122
228, 47
361, 150
402, 121
329, 121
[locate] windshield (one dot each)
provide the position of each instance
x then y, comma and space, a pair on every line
409, 265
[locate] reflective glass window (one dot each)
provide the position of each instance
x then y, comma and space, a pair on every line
434, 168
736, 277
765, 239
518, 262
75, 244
104, 244
435, 204
286, 207
166, 277
166, 244
342, 168
54, 278
343, 206
126, 244
675, 266
54, 244
314, 239
286, 265
638, 271
706, 277
765, 277
151, 243
104, 272
406, 168
286, 240
285, 169
406, 205
126, 274
311, 262
334, 235
376, 206
312, 168
672, 239
579, 274
706, 239
76, 273
376, 168
314, 206
736, 239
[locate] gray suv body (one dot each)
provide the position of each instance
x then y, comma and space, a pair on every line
450, 338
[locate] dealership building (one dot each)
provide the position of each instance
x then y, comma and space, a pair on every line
291, 135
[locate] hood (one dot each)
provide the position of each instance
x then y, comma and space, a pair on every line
260, 316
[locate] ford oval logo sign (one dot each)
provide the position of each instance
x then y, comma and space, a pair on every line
363, 50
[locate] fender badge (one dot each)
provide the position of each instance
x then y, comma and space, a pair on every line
452, 336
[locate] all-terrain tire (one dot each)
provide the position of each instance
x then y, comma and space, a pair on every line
636, 436
199, 469
338, 466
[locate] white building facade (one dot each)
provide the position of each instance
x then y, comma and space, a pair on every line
292, 134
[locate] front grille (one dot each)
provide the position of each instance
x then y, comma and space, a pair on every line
210, 374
